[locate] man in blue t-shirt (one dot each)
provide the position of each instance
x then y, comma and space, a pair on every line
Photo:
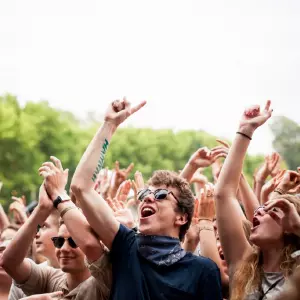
151, 264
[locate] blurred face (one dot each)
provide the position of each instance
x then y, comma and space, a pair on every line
44, 244
71, 260
220, 250
160, 217
266, 231
221, 254
5, 238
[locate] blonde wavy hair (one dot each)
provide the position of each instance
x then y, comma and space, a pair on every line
249, 273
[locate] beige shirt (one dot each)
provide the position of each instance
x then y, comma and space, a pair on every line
15, 293
45, 279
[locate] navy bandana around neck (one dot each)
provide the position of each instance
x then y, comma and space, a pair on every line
160, 250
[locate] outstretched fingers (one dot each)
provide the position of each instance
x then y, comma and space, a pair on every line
57, 163
137, 107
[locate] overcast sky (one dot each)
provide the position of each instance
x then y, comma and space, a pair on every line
197, 63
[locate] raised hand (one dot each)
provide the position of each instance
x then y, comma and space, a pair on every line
254, 117
198, 177
290, 220
139, 180
202, 158
119, 176
18, 209
119, 110
289, 181
55, 177
45, 203
123, 192
137, 184
273, 164
270, 186
262, 173
223, 143
103, 183
125, 217
206, 205
122, 214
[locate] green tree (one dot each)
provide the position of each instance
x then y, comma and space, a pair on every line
30, 134
287, 140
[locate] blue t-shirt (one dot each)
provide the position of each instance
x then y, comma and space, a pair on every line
135, 278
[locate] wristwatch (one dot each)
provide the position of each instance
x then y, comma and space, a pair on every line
59, 200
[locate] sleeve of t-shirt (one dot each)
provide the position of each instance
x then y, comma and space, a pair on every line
122, 243
211, 287
101, 271
40, 280
15, 293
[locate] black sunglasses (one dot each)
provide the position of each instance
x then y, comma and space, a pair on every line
159, 194
59, 241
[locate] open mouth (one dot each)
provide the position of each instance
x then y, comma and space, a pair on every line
147, 212
255, 222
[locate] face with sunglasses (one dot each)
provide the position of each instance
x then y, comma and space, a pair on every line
70, 257
159, 211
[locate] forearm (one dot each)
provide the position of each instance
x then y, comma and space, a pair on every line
190, 245
264, 196
230, 174
99, 215
258, 189
228, 210
92, 160
80, 230
16, 252
188, 171
248, 198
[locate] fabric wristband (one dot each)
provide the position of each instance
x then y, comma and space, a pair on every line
65, 210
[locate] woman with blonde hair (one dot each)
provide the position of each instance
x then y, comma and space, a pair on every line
258, 271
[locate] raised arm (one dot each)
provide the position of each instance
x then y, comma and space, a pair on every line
13, 258
95, 208
202, 158
205, 210
55, 178
233, 240
248, 198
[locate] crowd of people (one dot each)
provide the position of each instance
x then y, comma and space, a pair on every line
176, 236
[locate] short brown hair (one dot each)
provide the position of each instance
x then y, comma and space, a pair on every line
185, 195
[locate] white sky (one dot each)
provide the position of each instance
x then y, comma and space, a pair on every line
198, 63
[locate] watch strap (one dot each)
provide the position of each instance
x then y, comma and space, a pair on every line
59, 200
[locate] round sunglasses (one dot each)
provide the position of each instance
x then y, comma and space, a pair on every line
159, 194
58, 242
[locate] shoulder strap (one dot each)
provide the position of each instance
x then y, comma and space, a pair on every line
270, 288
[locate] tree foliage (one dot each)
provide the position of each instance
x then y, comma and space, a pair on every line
287, 140
30, 134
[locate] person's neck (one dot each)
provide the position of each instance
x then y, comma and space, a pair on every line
272, 258
74, 279
53, 262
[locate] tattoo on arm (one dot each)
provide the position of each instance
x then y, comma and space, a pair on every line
101, 160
